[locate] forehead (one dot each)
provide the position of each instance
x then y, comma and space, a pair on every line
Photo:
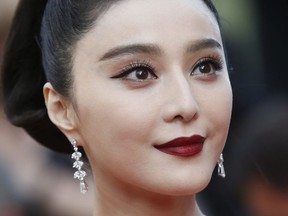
153, 21
143, 12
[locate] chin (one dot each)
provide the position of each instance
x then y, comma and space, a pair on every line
185, 186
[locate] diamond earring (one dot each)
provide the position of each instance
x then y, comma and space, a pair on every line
79, 174
221, 170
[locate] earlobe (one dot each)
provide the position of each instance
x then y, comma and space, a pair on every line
59, 110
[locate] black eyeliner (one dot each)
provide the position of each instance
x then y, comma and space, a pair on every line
216, 62
126, 70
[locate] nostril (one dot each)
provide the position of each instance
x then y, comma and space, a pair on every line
180, 112
186, 117
179, 117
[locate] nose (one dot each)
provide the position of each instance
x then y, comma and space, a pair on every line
180, 101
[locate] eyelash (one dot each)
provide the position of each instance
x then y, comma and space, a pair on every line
133, 66
215, 61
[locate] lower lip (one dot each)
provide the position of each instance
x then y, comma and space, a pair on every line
183, 151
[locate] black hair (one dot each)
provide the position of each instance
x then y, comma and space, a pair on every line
40, 49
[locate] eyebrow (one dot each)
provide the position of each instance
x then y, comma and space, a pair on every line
132, 49
155, 50
203, 44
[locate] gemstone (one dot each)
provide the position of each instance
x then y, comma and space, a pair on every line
80, 174
83, 187
221, 171
76, 155
78, 164
221, 158
73, 142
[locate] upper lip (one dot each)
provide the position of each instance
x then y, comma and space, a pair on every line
182, 141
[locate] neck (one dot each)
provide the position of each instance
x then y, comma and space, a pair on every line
119, 200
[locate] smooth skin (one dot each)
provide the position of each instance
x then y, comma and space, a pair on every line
146, 73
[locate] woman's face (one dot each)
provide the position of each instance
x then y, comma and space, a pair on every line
149, 72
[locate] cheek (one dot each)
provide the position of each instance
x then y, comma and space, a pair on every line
117, 129
221, 102
216, 107
114, 117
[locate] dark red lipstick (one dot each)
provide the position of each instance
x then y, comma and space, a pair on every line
183, 146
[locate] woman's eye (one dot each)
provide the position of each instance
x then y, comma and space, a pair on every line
137, 73
140, 74
207, 67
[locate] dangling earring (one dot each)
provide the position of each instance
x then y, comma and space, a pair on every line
79, 174
221, 170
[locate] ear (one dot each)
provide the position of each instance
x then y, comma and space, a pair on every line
60, 111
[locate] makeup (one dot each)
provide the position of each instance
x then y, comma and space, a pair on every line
183, 146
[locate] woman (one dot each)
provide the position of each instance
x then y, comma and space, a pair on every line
141, 86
